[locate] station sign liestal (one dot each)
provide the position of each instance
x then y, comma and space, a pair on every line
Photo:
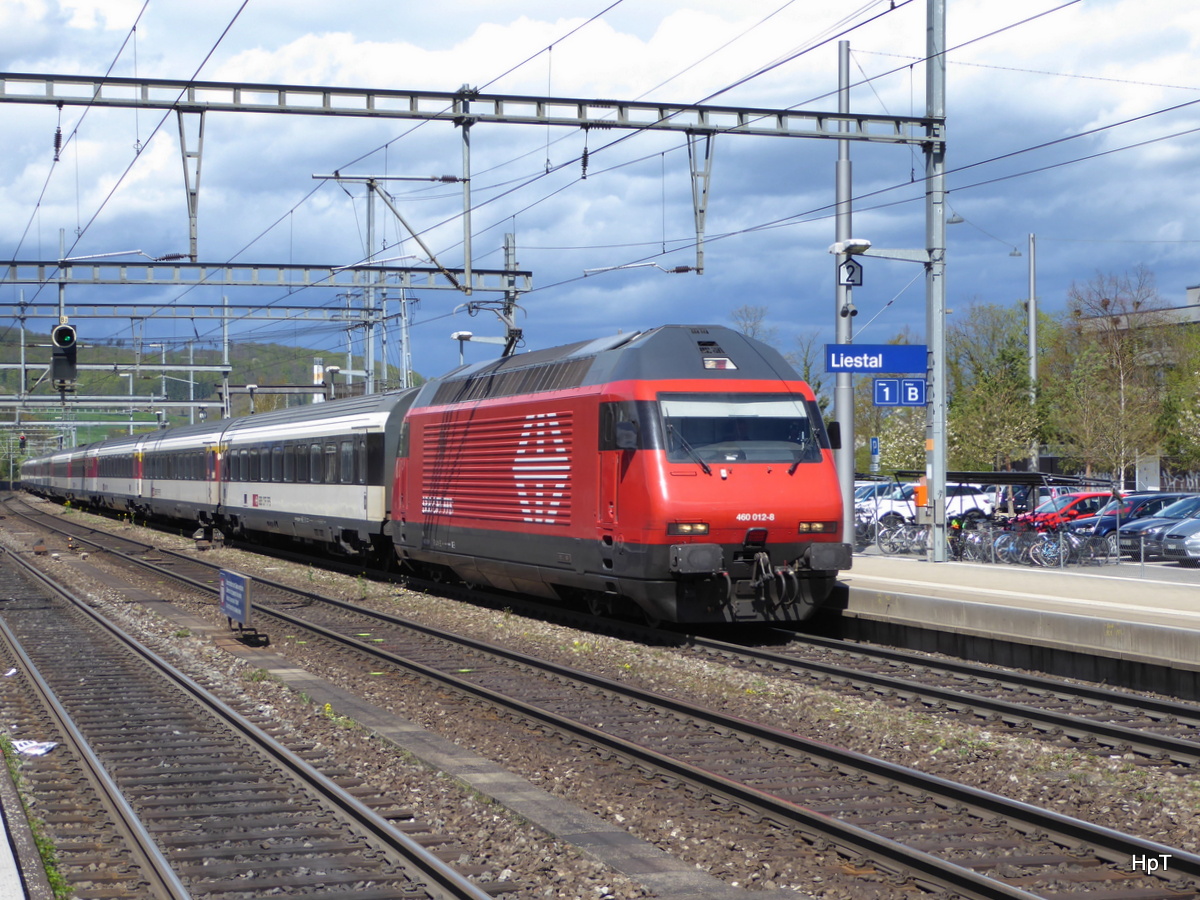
887, 358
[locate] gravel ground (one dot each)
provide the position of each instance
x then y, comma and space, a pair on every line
1152, 802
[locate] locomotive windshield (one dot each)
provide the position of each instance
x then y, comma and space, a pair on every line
757, 428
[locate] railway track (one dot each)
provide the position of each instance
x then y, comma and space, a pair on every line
1161, 731
186, 796
944, 835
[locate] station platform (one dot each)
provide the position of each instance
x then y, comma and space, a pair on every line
22, 876
1144, 617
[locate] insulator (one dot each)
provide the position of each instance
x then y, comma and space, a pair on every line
584, 161
57, 142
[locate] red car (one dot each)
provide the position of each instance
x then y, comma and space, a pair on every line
1061, 509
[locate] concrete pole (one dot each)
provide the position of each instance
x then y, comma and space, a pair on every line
843, 394
935, 281
1034, 461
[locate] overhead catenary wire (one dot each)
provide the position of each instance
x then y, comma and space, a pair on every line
595, 172
514, 68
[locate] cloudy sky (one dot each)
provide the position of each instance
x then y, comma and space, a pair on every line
1078, 122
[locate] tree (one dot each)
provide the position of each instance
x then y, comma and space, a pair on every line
991, 420
902, 440
808, 359
1180, 421
1114, 336
752, 322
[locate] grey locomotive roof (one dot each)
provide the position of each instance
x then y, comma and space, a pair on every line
667, 352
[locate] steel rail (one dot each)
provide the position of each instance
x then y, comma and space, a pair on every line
1115, 846
444, 882
157, 870
1147, 743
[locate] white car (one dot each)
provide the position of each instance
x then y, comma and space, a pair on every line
962, 501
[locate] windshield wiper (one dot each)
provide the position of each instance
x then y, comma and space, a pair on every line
689, 448
799, 459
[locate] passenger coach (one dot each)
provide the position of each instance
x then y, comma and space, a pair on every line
319, 473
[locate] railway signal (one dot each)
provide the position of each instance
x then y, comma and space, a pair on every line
63, 371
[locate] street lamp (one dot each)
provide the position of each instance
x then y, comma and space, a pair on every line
462, 337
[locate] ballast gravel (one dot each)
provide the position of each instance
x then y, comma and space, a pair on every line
1160, 803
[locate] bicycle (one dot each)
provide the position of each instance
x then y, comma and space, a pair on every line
1058, 547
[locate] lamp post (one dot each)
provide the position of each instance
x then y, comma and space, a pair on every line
463, 336
129, 375
1034, 462
847, 275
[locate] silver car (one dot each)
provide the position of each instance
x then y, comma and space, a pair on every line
1181, 542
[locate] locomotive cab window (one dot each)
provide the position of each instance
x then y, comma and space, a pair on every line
731, 428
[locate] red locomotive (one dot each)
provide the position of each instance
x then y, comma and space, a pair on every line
685, 470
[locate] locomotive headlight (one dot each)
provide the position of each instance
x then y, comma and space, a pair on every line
687, 528
817, 527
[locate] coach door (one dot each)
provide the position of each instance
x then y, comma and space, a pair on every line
212, 486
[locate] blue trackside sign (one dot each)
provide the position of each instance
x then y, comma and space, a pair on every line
876, 358
235, 597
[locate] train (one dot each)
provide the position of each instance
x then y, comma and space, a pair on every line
683, 474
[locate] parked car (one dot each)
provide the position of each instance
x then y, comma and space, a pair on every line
1181, 542
962, 501
872, 490
1117, 513
1143, 539
1062, 509
1019, 494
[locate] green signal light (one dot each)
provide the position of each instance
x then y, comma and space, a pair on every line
63, 336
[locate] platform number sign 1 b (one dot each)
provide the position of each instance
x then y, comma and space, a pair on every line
899, 391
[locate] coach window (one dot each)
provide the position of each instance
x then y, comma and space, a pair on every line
277, 463
331, 463
315, 463
289, 463
264, 455
231, 465
347, 462
252, 455
360, 460
301, 463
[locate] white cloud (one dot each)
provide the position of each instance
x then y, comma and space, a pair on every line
1010, 87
